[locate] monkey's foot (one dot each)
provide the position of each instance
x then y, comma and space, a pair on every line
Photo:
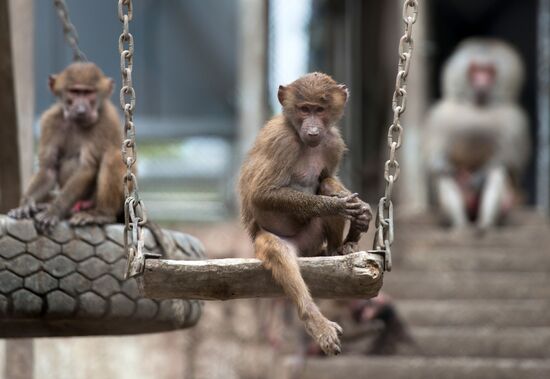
26, 211
90, 217
348, 248
45, 221
326, 333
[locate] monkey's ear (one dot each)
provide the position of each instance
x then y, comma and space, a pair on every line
106, 86
281, 94
345, 91
51, 83
110, 86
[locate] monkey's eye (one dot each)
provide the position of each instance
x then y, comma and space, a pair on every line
80, 91
319, 109
304, 109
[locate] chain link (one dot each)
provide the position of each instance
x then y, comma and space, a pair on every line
71, 36
135, 215
384, 216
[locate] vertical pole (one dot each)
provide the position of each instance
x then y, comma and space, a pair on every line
543, 108
412, 186
353, 133
16, 138
22, 37
252, 71
252, 79
10, 176
16, 99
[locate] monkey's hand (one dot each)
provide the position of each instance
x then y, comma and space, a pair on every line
361, 222
48, 219
27, 209
362, 213
348, 206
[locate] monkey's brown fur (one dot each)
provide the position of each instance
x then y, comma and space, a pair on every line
291, 201
79, 152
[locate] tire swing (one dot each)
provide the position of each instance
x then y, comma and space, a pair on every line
357, 275
71, 282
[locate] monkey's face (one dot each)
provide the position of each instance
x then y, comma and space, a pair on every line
81, 105
81, 88
312, 123
481, 77
313, 104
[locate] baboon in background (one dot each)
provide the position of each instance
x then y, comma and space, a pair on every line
291, 201
79, 153
477, 135
374, 326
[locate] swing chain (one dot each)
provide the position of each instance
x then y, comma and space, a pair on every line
384, 216
135, 215
71, 35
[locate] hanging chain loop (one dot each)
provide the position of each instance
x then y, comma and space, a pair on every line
71, 36
384, 235
135, 215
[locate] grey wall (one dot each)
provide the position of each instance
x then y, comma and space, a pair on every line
185, 64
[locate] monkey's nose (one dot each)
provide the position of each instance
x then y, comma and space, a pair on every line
80, 110
313, 133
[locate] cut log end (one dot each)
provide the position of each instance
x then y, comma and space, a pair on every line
357, 275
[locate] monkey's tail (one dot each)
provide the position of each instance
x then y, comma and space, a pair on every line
164, 240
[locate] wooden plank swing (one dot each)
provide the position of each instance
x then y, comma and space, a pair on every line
349, 276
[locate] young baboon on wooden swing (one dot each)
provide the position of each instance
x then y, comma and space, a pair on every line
79, 152
292, 202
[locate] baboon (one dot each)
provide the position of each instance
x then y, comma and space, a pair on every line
80, 165
477, 134
374, 326
292, 203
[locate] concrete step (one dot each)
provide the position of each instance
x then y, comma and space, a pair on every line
518, 342
361, 367
495, 313
467, 285
460, 258
529, 237
518, 218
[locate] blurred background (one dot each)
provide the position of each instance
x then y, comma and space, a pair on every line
206, 74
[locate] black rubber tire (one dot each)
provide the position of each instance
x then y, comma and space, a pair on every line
71, 283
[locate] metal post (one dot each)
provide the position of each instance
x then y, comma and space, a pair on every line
22, 30
413, 190
16, 138
10, 175
543, 108
353, 78
251, 83
252, 71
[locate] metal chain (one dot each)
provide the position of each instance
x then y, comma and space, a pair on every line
384, 217
135, 215
71, 36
